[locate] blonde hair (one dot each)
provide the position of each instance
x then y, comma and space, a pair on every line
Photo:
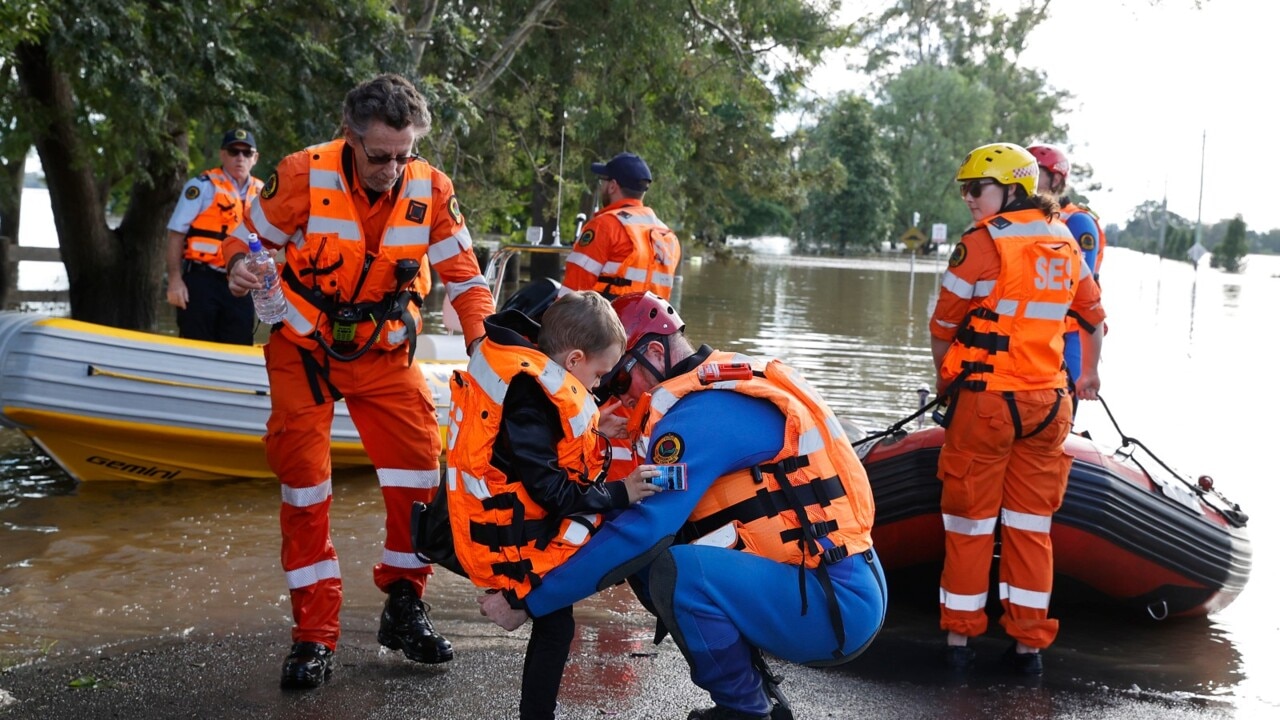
581, 321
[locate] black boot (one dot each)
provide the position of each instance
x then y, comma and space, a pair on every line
308, 666
405, 626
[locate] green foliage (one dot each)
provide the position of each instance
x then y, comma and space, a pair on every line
1230, 253
851, 202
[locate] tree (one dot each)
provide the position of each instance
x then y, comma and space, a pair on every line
112, 94
1231, 251
853, 206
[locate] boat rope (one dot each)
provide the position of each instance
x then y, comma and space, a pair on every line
97, 371
897, 427
1232, 512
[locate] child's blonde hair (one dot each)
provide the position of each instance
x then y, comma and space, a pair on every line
581, 321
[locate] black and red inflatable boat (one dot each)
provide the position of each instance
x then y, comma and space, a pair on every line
1129, 532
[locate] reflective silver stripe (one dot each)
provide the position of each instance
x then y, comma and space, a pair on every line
307, 496
404, 560
611, 268
420, 479
1008, 308
208, 247
620, 452
638, 216
452, 246
965, 603
661, 400
944, 324
486, 379
406, 235
416, 189
1026, 598
296, 317
475, 486
348, 230
965, 526
552, 377
265, 229
834, 427
312, 574
983, 288
575, 533
397, 336
326, 179
455, 289
664, 279
1027, 521
636, 274
1030, 228
810, 441
725, 536
958, 287
451, 476
581, 422
1046, 310
585, 262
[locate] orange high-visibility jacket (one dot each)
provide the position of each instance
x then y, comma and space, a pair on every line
651, 264
815, 486
502, 536
210, 228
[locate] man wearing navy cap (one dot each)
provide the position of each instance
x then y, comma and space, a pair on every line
211, 205
625, 248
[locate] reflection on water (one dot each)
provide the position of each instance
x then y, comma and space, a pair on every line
105, 563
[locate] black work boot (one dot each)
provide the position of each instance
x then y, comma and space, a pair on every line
405, 626
719, 712
308, 666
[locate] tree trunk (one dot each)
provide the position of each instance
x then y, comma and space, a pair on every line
11, 178
113, 273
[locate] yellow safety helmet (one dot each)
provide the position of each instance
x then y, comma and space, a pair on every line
1006, 163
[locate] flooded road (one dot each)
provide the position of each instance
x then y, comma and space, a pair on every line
1186, 367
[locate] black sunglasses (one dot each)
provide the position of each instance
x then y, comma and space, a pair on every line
618, 381
384, 159
974, 188
242, 152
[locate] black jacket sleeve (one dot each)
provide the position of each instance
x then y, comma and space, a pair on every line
526, 449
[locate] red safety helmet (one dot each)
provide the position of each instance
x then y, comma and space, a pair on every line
644, 314
1051, 158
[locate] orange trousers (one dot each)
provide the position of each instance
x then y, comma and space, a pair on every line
392, 410
990, 475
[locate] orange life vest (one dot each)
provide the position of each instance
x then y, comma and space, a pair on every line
502, 536
210, 228
336, 290
815, 487
1012, 339
655, 253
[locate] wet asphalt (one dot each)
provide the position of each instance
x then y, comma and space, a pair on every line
615, 672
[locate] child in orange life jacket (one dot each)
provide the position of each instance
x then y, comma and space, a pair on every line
526, 474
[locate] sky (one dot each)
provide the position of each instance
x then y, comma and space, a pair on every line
1151, 81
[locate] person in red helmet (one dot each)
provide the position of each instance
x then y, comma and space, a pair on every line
1055, 169
996, 332
768, 547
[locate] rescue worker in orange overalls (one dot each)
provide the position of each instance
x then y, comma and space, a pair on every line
526, 477
1055, 168
768, 547
211, 205
359, 218
1011, 283
624, 249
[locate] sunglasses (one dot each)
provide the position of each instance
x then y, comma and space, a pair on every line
242, 152
384, 159
974, 188
618, 381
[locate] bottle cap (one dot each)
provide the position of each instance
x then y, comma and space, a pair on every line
254, 244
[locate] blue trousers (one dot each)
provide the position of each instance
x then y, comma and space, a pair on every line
719, 603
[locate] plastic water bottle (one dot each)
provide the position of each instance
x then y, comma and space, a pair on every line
268, 302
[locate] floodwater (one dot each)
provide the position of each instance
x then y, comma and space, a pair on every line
1187, 369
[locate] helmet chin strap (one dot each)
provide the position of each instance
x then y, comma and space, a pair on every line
661, 375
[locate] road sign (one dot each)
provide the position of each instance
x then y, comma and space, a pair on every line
912, 238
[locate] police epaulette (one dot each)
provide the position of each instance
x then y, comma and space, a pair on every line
1001, 222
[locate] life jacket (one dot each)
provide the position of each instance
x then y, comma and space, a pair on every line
210, 228
655, 253
810, 504
503, 537
1100, 245
339, 294
1012, 340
